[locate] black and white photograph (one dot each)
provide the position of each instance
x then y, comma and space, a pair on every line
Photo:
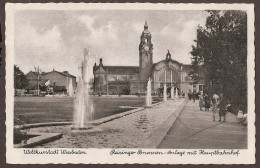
130, 82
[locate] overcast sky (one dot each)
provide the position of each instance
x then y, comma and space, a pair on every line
56, 39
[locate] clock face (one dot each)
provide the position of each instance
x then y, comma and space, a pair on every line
146, 48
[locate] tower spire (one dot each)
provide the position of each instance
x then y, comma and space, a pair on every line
146, 25
168, 56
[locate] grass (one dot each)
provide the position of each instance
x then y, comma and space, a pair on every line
56, 109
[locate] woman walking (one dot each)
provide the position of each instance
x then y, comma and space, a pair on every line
207, 102
215, 102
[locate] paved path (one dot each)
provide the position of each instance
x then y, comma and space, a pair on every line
129, 131
195, 129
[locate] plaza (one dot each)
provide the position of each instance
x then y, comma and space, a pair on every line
177, 124
130, 83
143, 106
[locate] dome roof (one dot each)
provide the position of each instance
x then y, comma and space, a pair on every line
146, 32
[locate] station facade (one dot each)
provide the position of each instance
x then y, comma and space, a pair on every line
133, 79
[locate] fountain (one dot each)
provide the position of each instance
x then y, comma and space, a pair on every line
164, 92
172, 92
148, 94
83, 106
71, 91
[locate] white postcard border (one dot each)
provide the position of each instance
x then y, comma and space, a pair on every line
17, 156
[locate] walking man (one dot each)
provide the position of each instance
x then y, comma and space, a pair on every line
194, 96
190, 95
222, 108
207, 102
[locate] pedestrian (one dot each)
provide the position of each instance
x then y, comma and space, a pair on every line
244, 122
207, 102
223, 107
190, 95
194, 96
215, 103
201, 101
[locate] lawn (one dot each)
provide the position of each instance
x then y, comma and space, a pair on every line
54, 109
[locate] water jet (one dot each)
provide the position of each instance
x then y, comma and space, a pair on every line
164, 92
148, 94
83, 105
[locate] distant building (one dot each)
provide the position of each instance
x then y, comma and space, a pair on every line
115, 79
133, 79
55, 81
33, 81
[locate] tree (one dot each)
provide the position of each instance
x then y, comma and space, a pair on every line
220, 55
20, 80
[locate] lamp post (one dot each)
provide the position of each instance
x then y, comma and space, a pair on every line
37, 70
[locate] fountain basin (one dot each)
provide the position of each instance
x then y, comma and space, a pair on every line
148, 107
81, 128
56, 130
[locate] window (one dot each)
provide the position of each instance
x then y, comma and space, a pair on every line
200, 87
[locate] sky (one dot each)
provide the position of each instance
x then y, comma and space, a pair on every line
54, 39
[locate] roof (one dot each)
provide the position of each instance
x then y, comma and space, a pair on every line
35, 82
171, 60
65, 74
146, 31
122, 69
32, 72
187, 67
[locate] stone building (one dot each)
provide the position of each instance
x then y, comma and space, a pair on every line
33, 81
133, 79
60, 80
171, 72
57, 81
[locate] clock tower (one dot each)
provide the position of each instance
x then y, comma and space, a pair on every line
145, 55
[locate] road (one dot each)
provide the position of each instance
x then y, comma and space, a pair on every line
195, 129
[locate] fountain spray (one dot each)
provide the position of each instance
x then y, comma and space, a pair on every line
83, 106
164, 92
149, 94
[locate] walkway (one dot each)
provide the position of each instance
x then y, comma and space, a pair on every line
127, 131
195, 129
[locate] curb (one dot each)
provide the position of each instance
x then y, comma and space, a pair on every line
156, 137
116, 116
35, 125
41, 138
